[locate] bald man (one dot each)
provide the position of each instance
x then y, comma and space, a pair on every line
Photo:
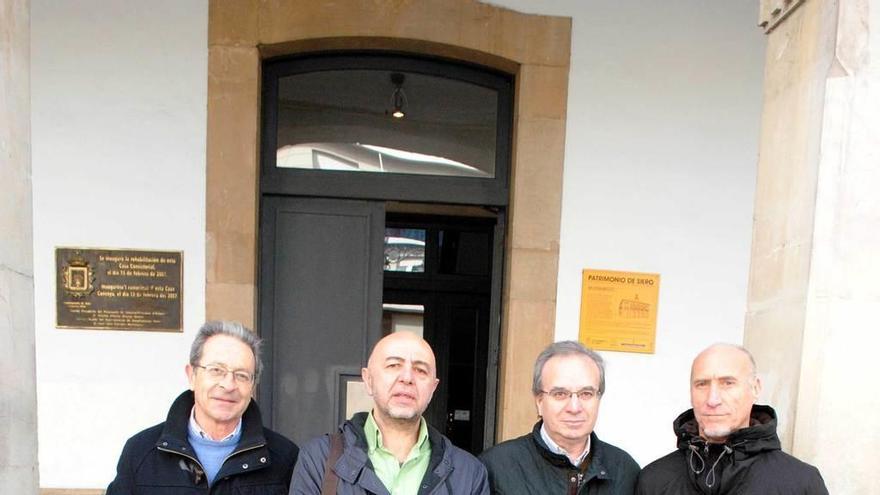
391, 449
727, 444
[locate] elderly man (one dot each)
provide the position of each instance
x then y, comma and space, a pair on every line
391, 450
726, 443
213, 440
562, 454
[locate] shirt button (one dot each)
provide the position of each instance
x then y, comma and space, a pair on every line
244, 466
164, 444
263, 460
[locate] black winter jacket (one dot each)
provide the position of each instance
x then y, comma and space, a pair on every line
525, 465
750, 462
451, 471
160, 460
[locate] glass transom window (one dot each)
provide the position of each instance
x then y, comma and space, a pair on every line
384, 121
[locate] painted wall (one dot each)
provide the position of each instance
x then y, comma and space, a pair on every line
660, 163
118, 114
662, 129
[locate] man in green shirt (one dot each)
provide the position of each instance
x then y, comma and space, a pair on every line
391, 450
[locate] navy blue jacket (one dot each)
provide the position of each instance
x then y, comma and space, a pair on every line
160, 460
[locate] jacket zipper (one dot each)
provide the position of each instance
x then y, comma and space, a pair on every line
199, 464
574, 482
240, 451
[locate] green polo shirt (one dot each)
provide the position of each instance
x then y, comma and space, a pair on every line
399, 479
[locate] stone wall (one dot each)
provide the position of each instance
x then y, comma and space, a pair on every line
18, 402
814, 296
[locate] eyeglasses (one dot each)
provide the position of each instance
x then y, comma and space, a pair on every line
218, 373
561, 394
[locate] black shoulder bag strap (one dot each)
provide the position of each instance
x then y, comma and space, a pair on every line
330, 478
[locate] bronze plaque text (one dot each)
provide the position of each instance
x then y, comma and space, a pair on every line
119, 289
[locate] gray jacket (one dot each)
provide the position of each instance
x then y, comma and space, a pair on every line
450, 470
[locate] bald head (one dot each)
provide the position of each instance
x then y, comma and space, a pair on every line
399, 343
401, 376
723, 348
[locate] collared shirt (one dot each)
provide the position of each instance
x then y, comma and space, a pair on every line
399, 479
556, 449
195, 428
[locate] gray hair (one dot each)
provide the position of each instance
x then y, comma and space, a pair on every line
566, 348
232, 329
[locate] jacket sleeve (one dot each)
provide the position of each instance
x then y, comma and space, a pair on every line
123, 483
818, 485
308, 473
481, 481
629, 475
644, 485
487, 459
640, 487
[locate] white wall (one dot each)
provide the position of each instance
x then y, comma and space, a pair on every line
118, 118
660, 161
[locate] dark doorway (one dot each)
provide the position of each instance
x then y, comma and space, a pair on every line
453, 288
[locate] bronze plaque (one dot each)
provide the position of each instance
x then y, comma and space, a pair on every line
119, 289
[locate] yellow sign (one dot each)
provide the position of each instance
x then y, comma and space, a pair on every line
619, 310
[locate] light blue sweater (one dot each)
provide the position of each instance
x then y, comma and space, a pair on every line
212, 453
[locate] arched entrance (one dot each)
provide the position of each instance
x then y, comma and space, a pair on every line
535, 48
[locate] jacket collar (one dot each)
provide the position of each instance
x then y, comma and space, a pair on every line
253, 442
177, 422
354, 458
720, 468
596, 467
760, 436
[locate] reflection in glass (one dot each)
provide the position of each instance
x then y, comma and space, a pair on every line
403, 318
342, 120
356, 157
404, 250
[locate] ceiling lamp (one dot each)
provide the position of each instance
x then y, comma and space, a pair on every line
398, 97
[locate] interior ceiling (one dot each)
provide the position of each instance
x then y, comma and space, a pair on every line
428, 98
444, 117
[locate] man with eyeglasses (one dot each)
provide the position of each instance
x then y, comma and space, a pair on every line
562, 454
213, 440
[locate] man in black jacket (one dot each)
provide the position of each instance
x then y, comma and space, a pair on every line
213, 441
726, 443
562, 454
